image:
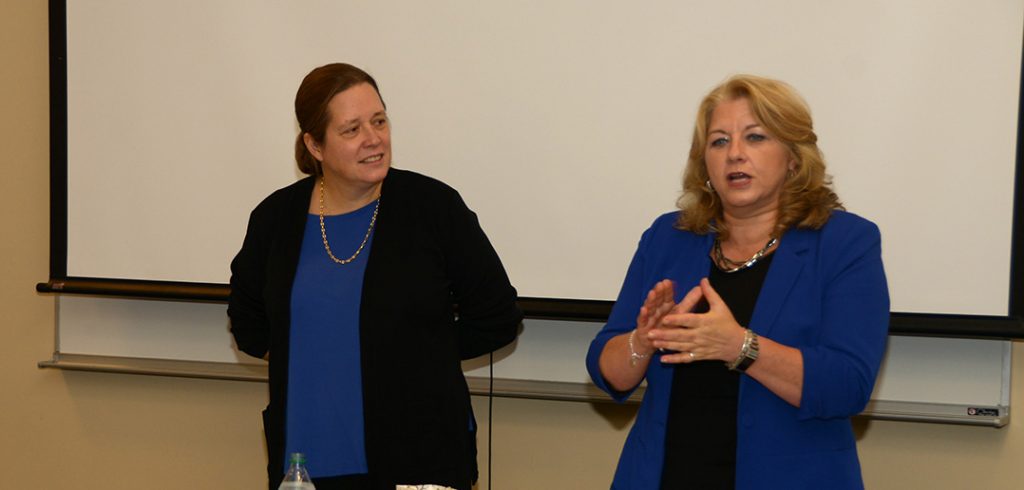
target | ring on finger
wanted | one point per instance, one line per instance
(693, 357)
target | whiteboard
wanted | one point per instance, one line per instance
(922, 378)
(565, 124)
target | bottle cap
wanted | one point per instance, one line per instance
(297, 458)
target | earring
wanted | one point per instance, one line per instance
(707, 185)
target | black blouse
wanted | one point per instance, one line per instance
(700, 439)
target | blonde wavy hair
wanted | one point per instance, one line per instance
(807, 199)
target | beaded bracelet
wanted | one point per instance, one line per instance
(634, 356)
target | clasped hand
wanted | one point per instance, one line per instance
(686, 336)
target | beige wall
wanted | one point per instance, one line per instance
(91, 430)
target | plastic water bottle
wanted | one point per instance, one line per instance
(297, 478)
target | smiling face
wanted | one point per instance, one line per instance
(356, 149)
(747, 166)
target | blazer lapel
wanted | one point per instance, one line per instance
(786, 267)
(695, 266)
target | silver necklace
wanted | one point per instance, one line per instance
(729, 266)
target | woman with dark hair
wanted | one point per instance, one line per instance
(774, 337)
(347, 282)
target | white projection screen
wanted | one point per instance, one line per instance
(564, 124)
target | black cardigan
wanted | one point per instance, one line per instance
(428, 254)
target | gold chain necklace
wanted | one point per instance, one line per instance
(729, 266)
(323, 231)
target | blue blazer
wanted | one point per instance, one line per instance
(826, 295)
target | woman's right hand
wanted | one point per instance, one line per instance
(659, 302)
(619, 366)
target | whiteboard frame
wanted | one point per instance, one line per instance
(988, 416)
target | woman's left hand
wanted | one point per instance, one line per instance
(699, 336)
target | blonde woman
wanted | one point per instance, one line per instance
(757, 313)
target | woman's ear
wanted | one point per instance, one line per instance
(313, 147)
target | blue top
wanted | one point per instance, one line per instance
(826, 295)
(325, 398)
